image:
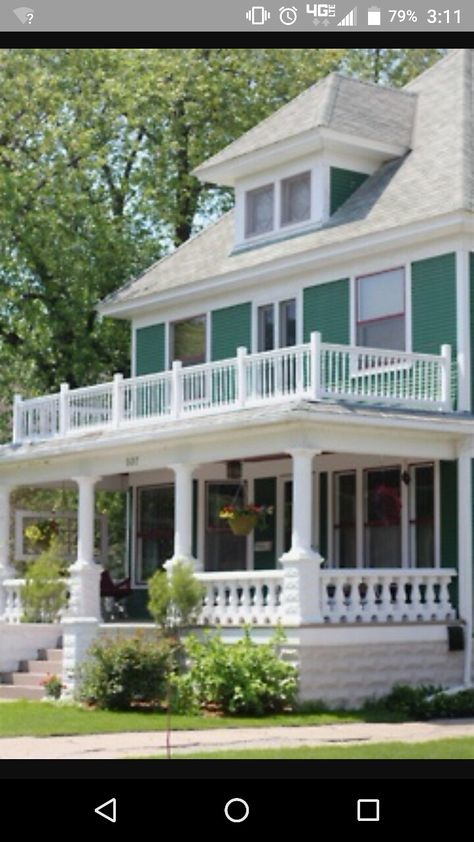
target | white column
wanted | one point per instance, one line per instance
(183, 513)
(85, 573)
(463, 310)
(6, 572)
(301, 565)
(465, 555)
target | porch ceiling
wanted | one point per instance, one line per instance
(245, 434)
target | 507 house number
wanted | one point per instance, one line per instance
(132, 461)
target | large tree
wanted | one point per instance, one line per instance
(96, 149)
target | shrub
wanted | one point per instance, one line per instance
(44, 594)
(175, 600)
(53, 686)
(123, 673)
(241, 678)
(425, 702)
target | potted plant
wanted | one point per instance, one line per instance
(243, 517)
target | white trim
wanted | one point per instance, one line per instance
(463, 329)
(408, 308)
(352, 310)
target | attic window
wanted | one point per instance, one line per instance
(296, 198)
(259, 211)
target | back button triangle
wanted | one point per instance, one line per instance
(111, 814)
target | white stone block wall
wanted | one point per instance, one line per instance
(348, 675)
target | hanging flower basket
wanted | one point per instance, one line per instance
(242, 519)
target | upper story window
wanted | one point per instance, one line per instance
(296, 198)
(188, 340)
(259, 214)
(276, 325)
(381, 310)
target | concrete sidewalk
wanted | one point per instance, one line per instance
(116, 746)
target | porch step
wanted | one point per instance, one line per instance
(12, 691)
(26, 683)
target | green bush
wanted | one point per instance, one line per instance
(242, 678)
(122, 673)
(44, 594)
(175, 600)
(425, 702)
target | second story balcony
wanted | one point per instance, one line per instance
(313, 371)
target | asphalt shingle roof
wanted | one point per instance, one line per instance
(435, 177)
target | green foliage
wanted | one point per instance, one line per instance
(123, 673)
(243, 678)
(44, 594)
(425, 702)
(175, 600)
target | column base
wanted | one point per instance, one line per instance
(301, 599)
(78, 634)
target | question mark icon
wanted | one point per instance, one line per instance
(29, 17)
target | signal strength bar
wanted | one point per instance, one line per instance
(350, 19)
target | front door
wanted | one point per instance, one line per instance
(223, 550)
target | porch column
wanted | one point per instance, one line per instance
(85, 573)
(465, 555)
(6, 572)
(301, 565)
(81, 623)
(183, 514)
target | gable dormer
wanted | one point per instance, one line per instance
(292, 171)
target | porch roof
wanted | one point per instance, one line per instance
(244, 433)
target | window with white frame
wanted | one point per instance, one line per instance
(295, 199)
(276, 325)
(188, 340)
(259, 210)
(380, 310)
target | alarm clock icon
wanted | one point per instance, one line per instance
(288, 15)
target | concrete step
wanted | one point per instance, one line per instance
(53, 667)
(50, 654)
(13, 691)
(25, 679)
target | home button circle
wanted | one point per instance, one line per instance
(236, 810)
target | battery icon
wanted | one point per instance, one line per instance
(373, 16)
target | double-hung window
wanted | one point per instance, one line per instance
(259, 212)
(276, 325)
(296, 199)
(380, 307)
(188, 340)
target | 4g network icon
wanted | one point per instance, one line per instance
(320, 11)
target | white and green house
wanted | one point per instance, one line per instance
(311, 351)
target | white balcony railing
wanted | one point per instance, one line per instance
(351, 596)
(247, 597)
(315, 371)
(13, 603)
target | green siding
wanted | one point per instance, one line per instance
(343, 183)
(434, 308)
(230, 328)
(150, 349)
(265, 494)
(323, 515)
(326, 308)
(449, 519)
(471, 290)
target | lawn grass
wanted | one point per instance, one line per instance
(459, 748)
(43, 719)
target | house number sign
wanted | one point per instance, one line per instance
(132, 461)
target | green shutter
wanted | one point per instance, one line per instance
(265, 531)
(433, 294)
(343, 183)
(323, 515)
(230, 330)
(149, 349)
(449, 519)
(326, 308)
(471, 291)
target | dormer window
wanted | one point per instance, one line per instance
(296, 199)
(259, 214)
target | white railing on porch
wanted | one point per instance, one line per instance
(351, 596)
(313, 371)
(13, 603)
(247, 597)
